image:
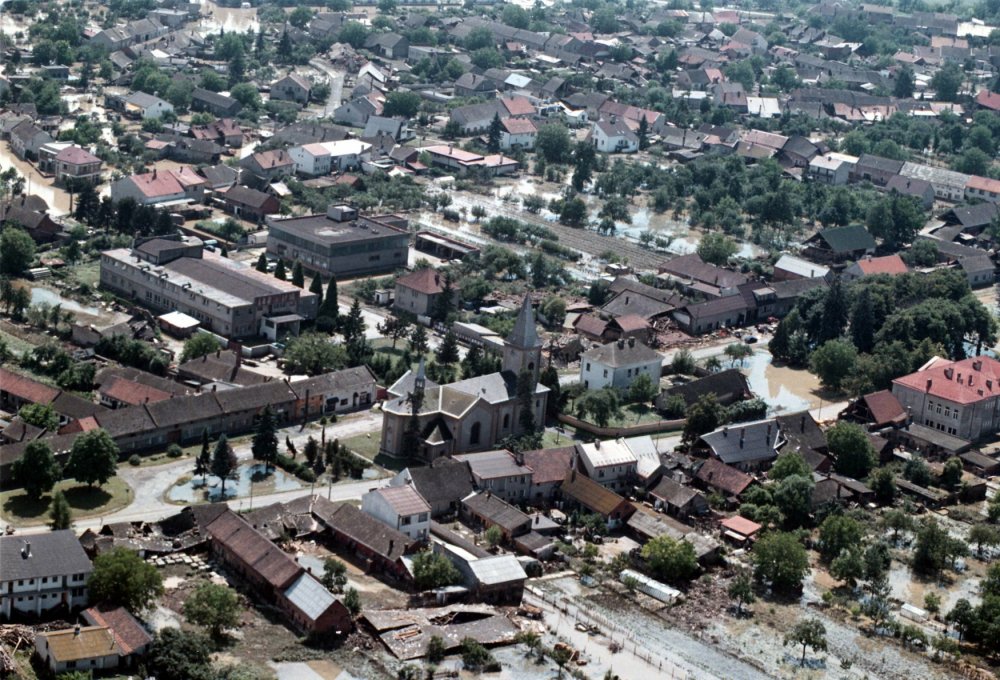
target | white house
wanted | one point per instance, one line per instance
(146, 105)
(609, 463)
(832, 168)
(614, 136)
(78, 649)
(517, 133)
(42, 572)
(322, 158)
(618, 363)
(402, 508)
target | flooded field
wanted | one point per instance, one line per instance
(785, 389)
(228, 19)
(210, 488)
(50, 297)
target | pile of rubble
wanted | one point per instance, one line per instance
(196, 562)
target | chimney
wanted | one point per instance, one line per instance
(597, 444)
(725, 431)
(626, 299)
(392, 544)
(743, 435)
(631, 342)
(76, 630)
(802, 423)
(26, 550)
(621, 344)
(977, 365)
(154, 173)
(929, 383)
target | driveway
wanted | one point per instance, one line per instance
(336, 84)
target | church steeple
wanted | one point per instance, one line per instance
(522, 350)
(420, 379)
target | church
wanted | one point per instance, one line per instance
(468, 415)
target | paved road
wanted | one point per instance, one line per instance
(336, 84)
(150, 483)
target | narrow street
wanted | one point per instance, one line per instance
(34, 182)
(336, 84)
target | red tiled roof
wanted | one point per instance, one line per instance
(25, 388)
(717, 474)
(518, 126)
(591, 325)
(961, 382)
(984, 184)
(741, 525)
(128, 633)
(631, 322)
(263, 557)
(133, 393)
(549, 465)
(426, 281)
(76, 156)
(890, 264)
(884, 407)
(989, 100)
(404, 500)
(518, 106)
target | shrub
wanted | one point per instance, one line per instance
(134, 460)
(175, 451)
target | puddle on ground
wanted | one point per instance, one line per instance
(210, 489)
(767, 385)
(52, 298)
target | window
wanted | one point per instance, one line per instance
(474, 433)
(506, 420)
(605, 373)
(588, 365)
(405, 521)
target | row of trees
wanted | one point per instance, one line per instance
(93, 459)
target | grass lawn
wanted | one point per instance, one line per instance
(84, 500)
(368, 449)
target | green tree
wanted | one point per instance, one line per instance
(716, 248)
(963, 617)
(203, 463)
(643, 390)
(493, 134)
(316, 288)
(883, 483)
(330, 307)
(224, 463)
(793, 497)
(279, 271)
(436, 649)
(121, 577)
(852, 449)
(418, 345)
(447, 351)
(198, 345)
(741, 591)
(215, 607)
(932, 549)
(352, 600)
(809, 633)
(903, 87)
(93, 458)
(833, 361)
(848, 567)
(781, 561)
(895, 219)
(837, 534)
(602, 405)
(573, 212)
(670, 559)
(298, 276)
(401, 104)
(703, 416)
(897, 521)
(180, 654)
(493, 536)
(984, 534)
(353, 325)
(17, 250)
(40, 415)
(973, 162)
(313, 354)
(834, 316)
(434, 570)
(951, 476)
(787, 464)
(60, 514)
(334, 575)
(863, 321)
(264, 445)
(553, 143)
(947, 81)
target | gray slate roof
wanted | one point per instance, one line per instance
(53, 554)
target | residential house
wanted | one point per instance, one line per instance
(980, 464)
(451, 158)
(979, 270)
(618, 364)
(948, 184)
(418, 292)
(215, 103)
(143, 105)
(799, 151)
(832, 168)
(711, 315)
(495, 579)
(131, 637)
(838, 244)
(381, 126)
(77, 166)
(728, 386)
(891, 265)
(612, 464)
(677, 499)
(443, 484)
(219, 177)
(958, 398)
(78, 649)
(517, 133)
(581, 491)
(43, 574)
(375, 544)
(484, 509)
(390, 45)
(225, 132)
(249, 204)
(983, 188)
(26, 139)
(322, 158)
(37, 222)
(473, 85)
(876, 410)
(499, 472)
(875, 169)
(357, 111)
(740, 530)
(745, 446)
(791, 268)
(694, 275)
(156, 187)
(402, 508)
(719, 477)
(267, 166)
(549, 468)
(614, 136)
(292, 88)
(921, 190)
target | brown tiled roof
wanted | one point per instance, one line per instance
(719, 475)
(741, 525)
(404, 500)
(549, 465)
(25, 388)
(131, 392)
(426, 281)
(592, 495)
(129, 633)
(265, 558)
(364, 529)
(89, 643)
(885, 408)
(496, 510)
(591, 325)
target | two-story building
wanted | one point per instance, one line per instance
(958, 398)
(400, 507)
(617, 364)
(614, 136)
(610, 463)
(418, 292)
(500, 472)
(292, 88)
(42, 574)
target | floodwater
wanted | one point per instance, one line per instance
(228, 19)
(195, 490)
(786, 390)
(52, 298)
(35, 184)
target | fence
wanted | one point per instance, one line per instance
(623, 431)
(618, 635)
